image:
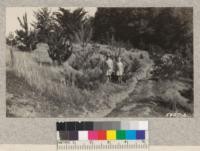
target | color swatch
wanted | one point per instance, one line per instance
(102, 130)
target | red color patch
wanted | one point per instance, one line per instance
(102, 135)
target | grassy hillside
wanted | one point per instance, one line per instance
(38, 88)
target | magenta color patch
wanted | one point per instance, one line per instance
(93, 135)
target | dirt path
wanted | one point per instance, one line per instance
(119, 97)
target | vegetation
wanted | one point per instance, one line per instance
(43, 24)
(159, 31)
(84, 35)
(25, 37)
(153, 43)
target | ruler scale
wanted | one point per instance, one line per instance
(116, 135)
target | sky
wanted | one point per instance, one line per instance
(13, 12)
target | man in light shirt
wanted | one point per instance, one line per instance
(109, 63)
(120, 69)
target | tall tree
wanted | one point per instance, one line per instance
(24, 36)
(59, 51)
(70, 21)
(43, 24)
(84, 34)
(168, 28)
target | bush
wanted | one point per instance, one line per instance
(58, 50)
(91, 63)
(168, 67)
(130, 68)
(84, 34)
(88, 81)
(141, 56)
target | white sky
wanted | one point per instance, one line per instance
(13, 12)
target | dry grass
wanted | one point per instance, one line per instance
(35, 74)
(66, 100)
(47, 79)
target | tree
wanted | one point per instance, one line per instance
(25, 37)
(43, 24)
(51, 29)
(67, 26)
(84, 34)
(168, 28)
(71, 22)
(58, 51)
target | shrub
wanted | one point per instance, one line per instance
(91, 63)
(58, 50)
(168, 67)
(84, 34)
(141, 56)
(131, 67)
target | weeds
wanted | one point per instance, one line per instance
(46, 79)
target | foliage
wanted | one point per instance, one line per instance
(141, 56)
(47, 82)
(84, 34)
(24, 37)
(168, 67)
(157, 30)
(131, 66)
(50, 30)
(58, 50)
(43, 24)
(167, 28)
(172, 35)
(91, 63)
(70, 21)
(166, 33)
(122, 23)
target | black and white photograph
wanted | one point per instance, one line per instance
(107, 62)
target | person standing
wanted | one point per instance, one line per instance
(109, 63)
(120, 70)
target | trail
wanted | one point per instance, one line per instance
(119, 97)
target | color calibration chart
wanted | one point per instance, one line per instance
(103, 135)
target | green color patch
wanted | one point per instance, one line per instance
(121, 135)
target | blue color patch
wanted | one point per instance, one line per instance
(140, 134)
(131, 135)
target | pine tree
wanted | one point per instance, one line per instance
(70, 21)
(43, 24)
(24, 36)
(84, 34)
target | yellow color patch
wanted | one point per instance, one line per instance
(111, 135)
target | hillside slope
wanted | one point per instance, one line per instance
(36, 88)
